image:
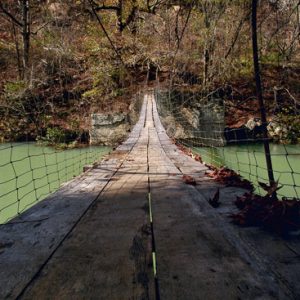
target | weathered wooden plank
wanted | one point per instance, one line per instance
(29, 240)
(269, 253)
(33, 236)
(265, 252)
(108, 254)
(195, 260)
(184, 163)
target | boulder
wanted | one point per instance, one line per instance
(188, 117)
(277, 131)
(191, 116)
(252, 130)
(252, 123)
(108, 119)
(108, 129)
(173, 129)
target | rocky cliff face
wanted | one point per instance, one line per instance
(194, 119)
(112, 128)
(109, 129)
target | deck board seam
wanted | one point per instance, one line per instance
(42, 266)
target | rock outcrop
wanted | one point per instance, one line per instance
(199, 120)
(112, 128)
(109, 129)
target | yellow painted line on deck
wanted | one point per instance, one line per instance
(154, 263)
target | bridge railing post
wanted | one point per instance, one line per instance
(260, 94)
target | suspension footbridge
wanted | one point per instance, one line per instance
(131, 228)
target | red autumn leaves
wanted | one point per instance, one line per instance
(228, 177)
(281, 216)
(189, 179)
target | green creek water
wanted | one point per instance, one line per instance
(29, 173)
(249, 161)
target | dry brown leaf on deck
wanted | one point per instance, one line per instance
(198, 158)
(270, 189)
(215, 200)
(189, 179)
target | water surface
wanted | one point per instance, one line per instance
(29, 173)
(249, 161)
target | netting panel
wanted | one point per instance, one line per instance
(239, 149)
(28, 173)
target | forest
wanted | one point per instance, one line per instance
(63, 60)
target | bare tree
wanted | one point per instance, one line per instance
(133, 7)
(24, 25)
(25, 32)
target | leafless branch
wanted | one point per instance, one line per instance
(8, 14)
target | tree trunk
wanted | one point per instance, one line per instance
(206, 65)
(18, 56)
(206, 53)
(120, 16)
(25, 34)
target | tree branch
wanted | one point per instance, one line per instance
(106, 7)
(130, 17)
(237, 33)
(7, 13)
(105, 32)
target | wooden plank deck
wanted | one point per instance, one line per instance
(130, 228)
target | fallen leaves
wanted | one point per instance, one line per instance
(215, 200)
(189, 152)
(197, 157)
(189, 180)
(271, 189)
(228, 177)
(281, 216)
